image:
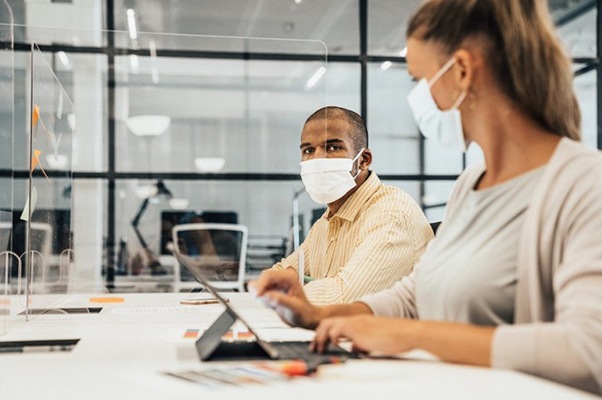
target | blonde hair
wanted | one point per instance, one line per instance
(524, 53)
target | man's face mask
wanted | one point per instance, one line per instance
(328, 179)
(443, 126)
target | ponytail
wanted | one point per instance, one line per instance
(524, 53)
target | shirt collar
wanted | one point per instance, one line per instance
(354, 203)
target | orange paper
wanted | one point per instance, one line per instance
(106, 300)
(35, 160)
(35, 115)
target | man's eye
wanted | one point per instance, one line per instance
(308, 150)
(334, 148)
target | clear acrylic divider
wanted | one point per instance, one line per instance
(48, 207)
(64, 260)
(9, 260)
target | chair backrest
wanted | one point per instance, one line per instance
(435, 226)
(220, 250)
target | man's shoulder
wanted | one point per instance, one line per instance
(388, 197)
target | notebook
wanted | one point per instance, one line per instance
(211, 347)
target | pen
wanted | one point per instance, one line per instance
(33, 349)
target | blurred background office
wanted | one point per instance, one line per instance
(172, 128)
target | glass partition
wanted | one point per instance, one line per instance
(8, 258)
(160, 132)
(47, 211)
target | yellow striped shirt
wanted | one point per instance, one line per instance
(373, 240)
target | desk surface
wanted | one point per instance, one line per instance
(125, 350)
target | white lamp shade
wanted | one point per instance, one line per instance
(209, 164)
(148, 125)
(178, 204)
(145, 191)
(58, 161)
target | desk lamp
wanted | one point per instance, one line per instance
(162, 191)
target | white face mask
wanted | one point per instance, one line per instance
(328, 179)
(444, 126)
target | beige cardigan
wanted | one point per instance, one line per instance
(557, 332)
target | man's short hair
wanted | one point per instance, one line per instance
(358, 133)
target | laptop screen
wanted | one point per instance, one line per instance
(199, 272)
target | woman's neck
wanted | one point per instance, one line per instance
(512, 143)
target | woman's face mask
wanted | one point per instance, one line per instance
(328, 179)
(445, 126)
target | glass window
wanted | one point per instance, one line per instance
(586, 89)
(333, 22)
(387, 23)
(247, 114)
(264, 207)
(75, 23)
(394, 137)
(579, 35)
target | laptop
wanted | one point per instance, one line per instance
(211, 347)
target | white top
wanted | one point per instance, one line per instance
(557, 329)
(469, 273)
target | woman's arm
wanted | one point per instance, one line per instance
(452, 342)
(282, 291)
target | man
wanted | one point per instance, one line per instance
(371, 235)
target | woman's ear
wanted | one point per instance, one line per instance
(465, 69)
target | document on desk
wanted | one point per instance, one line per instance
(153, 310)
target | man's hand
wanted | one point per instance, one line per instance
(282, 291)
(389, 336)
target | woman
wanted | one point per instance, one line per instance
(514, 277)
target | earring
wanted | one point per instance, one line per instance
(472, 97)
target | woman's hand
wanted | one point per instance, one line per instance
(450, 341)
(388, 336)
(282, 291)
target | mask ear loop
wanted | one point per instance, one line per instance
(460, 99)
(354, 159)
(442, 71)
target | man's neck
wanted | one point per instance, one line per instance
(335, 205)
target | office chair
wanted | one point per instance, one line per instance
(220, 250)
(435, 227)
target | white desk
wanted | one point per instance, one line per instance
(124, 350)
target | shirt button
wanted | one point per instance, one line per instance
(332, 238)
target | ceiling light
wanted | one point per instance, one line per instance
(386, 65)
(311, 82)
(148, 125)
(134, 63)
(64, 59)
(71, 121)
(132, 24)
(209, 164)
(403, 52)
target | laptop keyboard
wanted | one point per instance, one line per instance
(287, 350)
(292, 350)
